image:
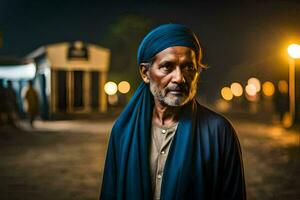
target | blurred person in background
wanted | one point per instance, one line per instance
(3, 95)
(165, 145)
(31, 97)
(281, 99)
(12, 106)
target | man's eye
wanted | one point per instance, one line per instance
(189, 68)
(166, 67)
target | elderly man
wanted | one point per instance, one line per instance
(165, 145)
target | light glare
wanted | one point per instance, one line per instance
(124, 87)
(236, 89)
(110, 88)
(254, 81)
(268, 88)
(226, 93)
(251, 89)
(294, 51)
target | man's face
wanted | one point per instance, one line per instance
(173, 76)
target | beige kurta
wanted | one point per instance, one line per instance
(161, 138)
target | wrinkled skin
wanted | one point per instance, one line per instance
(172, 76)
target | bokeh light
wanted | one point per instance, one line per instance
(294, 51)
(268, 88)
(226, 93)
(124, 87)
(283, 86)
(251, 90)
(110, 88)
(254, 81)
(236, 89)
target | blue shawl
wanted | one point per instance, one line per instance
(204, 160)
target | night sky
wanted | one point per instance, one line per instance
(239, 39)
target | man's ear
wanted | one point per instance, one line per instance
(144, 72)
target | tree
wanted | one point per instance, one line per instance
(123, 39)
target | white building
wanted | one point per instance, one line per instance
(74, 75)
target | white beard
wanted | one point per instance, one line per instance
(170, 99)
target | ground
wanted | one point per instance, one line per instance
(271, 157)
(64, 160)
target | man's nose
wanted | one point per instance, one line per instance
(178, 76)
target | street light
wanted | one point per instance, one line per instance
(294, 53)
(236, 89)
(254, 81)
(268, 88)
(251, 90)
(124, 87)
(226, 93)
(110, 88)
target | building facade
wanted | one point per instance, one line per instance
(74, 75)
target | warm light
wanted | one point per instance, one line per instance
(236, 89)
(294, 51)
(17, 72)
(124, 87)
(226, 93)
(283, 86)
(255, 82)
(268, 88)
(251, 90)
(110, 88)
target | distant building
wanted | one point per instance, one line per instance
(69, 77)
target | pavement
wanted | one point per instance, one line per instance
(64, 160)
(271, 157)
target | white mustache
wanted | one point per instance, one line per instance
(182, 87)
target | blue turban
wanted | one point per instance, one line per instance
(166, 36)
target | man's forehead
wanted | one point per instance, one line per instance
(175, 52)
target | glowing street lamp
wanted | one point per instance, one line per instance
(110, 88)
(251, 90)
(226, 93)
(294, 53)
(268, 88)
(124, 87)
(254, 81)
(236, 89)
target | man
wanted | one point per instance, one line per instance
(3, 100)
(12, 105)
(32, 99)
(165, 145)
